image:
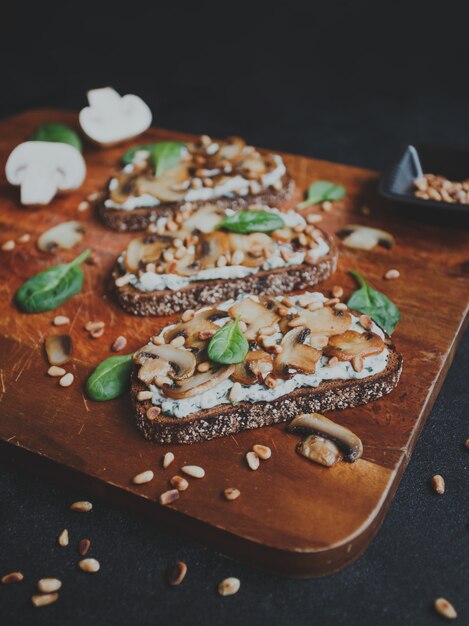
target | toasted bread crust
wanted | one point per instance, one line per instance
(227, 419)
(140, 218)
(197, 294)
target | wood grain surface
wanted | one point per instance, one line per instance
(293, 517)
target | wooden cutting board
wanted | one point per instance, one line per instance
(293, 517)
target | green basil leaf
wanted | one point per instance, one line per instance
(375, 304)
(52, 287)
(59, 133)
(322, 190)
(255, 221)
(163, 155)
(128, 156)
(110, 379)
(228, 345)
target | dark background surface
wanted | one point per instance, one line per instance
(349, 82)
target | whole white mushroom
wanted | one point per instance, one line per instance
(42, 168)
(110, 118)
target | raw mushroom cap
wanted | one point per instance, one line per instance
(320, 450)
(42, 168)
(351, 344)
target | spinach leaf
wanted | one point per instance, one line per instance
(59, 133)
(110, 379)
(255, 221)
(322, 190)
(52, 287)
(375, 304)
(163, 155)
(228, 345)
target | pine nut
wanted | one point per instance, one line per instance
(357, 363)
(315, 306)
(167, 459)
(84, 546)
(66, 380)
(61, 320)
(221, 261)
(143, 477)
(235, 393)
(206, 334)
(242, 326)
(92, 326)
(392, 274)
(333, 361)
(176, 573)
(153, 412)
(44, 599)
(263, 452)
(313, 218)
(12, 577)
(438, 483)
(63, 539)
(8, 245)
(193, 470)
(365, 322)
(82, 506)
(121, 281)
(204, 366)
(297, 321)
(157, 340)
(331, 302)
(24, 238)
(326, 205)
(252, 460)
(267, 330)
(169, 496)
(55, 370)
(119, 343)
(144, 395)
(91, 566)
(340, 306)
(49, 585)
(229, 586)
(270, 381)
(96, 334)
(179, 483)
(188, 315)
(445, 608)
(337, 291)
(237, 257)
(231, 493)
(83, 206)
(178, 341)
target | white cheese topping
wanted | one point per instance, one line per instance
(343, 370)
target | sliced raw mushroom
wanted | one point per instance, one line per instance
(296, 355)
(320, 450)
(204, 220)
(199, 383)
(61, 237)
(317, 424)
(352, 344)
(254, 368)
(163, 187)
(231, 149)
(364, 237)
(324, 321)
(255, 315)
(201, 323)
(165, 360)
(58, 349)
(211, 247)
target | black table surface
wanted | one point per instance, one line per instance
(348, 82)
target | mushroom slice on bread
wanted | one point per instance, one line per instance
(196, 331)
(296, 356)
(255, 315)
(199, 383)
(140, 251)
(231, 149)
(164, 360)
(324, 321)
(351, 344)
(167, 186)
(254, 368)
(257, 247)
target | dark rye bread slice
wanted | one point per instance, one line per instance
(140, 218)
(227, 419)
(197, 294)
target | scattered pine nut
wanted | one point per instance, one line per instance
(337, 291)
(8, 245)
(252, 460)
(82, 506)
(49, 585)
(231, 493)
(438, 483)
(89, 565)
(92, 326)
(203, 367)
(169, 496)
(263, 452)
(179, 483)
(119, 343)
(66, 380)
(193, 470)
(176, 573)
(229, 586)
(313, 218)
(365, 322)
(445, 608)
(93, 197)
(143, 477)
(357, 363)
(144, 395)
(63, 538)
(84, 546)
(326, 205)
(167, 459)
(61, 320)
(44, 599)
(83, 206)
(55, 370)
(96, 334)
(12, 577)
(235, 392)
(392, 274)
(121, 281)
(24, 238)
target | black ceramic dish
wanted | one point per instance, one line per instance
(398, 182)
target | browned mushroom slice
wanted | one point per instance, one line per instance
(254, 368)
(151, 368)
(163, 187)
(125, 186)
(317, 424)
(58, 349)
(255, 315)
(230, 149)
(351, 344)
(134, 254)
(320, 450)
(210, 248)
(295, 354)
(257, 247)
(199, 383)
(165, 360)
(204, 220)
(325, 321)
(193, 330)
